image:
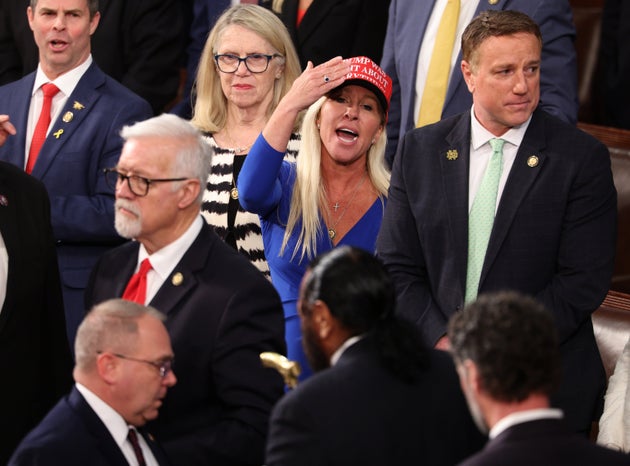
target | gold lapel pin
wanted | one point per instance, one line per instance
(493, 2)
(532, 161)
(58, 133)
(452, 154)
(177, 279)
(78, 105)
(67, 117)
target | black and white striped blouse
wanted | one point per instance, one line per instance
(216, 199)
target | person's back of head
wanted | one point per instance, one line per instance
(512, 340)
(359, 294)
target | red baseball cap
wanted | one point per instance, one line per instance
(364, 72)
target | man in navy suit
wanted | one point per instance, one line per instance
(379, 396)
(506, 352)
(34, 351)
(552, 226)
(122, 373)
(86, 115)
(409, 42)
(221, 311)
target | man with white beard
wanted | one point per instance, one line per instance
(221, 311)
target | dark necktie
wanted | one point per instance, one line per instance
(41, 128)
(137, 287)
(133, 439)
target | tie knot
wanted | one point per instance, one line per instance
(49, 90)
(497, 145)
(145, 266)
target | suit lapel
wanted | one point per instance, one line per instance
(156, 449)
(79, 104)
(314, 15)
(103, 440)
(518, 185)
(183, 278)
(454, 159)
(19, 104)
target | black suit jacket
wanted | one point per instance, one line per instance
(138, 43)
(72, 434)
(35, 360)
(544, 442)
(358, 413)
(553, 237)
(220, 317)
(337, 27)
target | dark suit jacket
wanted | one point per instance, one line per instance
(358, 413)
(71, 166)
(553, 237)
(35, 357)
(72, 434)
(407, 24)
(337, 27)
(544, 442)
(138, 43)
(220, 318)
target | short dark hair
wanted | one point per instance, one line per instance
(92, 6)
(495, 23)
(360, 294)
(512, 340)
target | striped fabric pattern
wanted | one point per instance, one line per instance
(217, 196)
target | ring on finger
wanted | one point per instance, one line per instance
(326, 79)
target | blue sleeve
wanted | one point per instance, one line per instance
(259, 186)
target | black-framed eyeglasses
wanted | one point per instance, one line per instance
(165, 366)
(255, 63)
(138, 185)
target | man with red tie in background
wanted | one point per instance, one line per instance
(221, 311)
(67, 115)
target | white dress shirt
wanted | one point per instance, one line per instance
(66, 84)
(117, 427)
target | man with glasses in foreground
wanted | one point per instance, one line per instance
(221, 311)
(122, 373)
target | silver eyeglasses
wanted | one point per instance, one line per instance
(255, 63)
(165, 366)
(138, 185)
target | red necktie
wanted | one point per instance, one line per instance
(39, 135)
(133, 439)
(137, 287)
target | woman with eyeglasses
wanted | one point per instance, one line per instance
(248, 64)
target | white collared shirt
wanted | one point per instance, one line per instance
(346, 344)
(524, 416)
(66, 84)
(481, 151)
(117, 427)
(164, 260)
(466, 11)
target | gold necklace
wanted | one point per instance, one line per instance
(235, 149)
(234, 190)
(332, 232)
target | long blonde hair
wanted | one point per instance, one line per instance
(210, 111)
(309, 193)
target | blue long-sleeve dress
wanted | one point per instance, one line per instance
(265, 187)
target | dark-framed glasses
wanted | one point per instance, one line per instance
(255, 63)
(164, 366)
(138, 185)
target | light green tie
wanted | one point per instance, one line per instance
(481, 219)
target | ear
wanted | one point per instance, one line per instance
(469, 77)
(188, 193)
(94, 22)
(322, 320)
(471, 375)
(107, 367)
(30, 14)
